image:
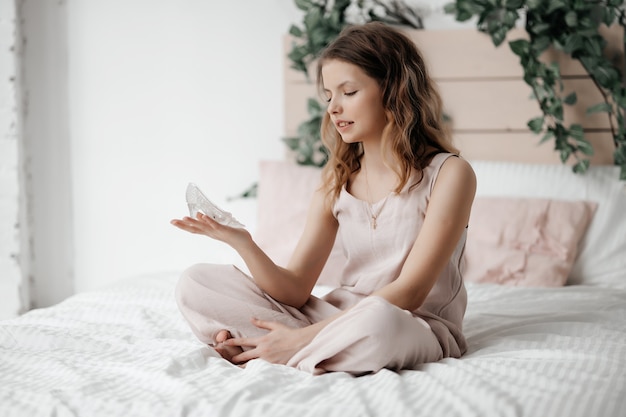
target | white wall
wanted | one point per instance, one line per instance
(161, 93)
(126, 102)
(47, 153)
(10, 274)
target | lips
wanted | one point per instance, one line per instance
(342, 124)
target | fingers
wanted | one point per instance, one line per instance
(200, 225)
(242, 341)
(254, 341)
(245, 356)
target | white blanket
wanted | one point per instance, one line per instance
(126, 351)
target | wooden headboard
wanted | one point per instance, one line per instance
(485, 96)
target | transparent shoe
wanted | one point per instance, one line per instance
(197, 201)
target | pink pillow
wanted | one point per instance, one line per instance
(285, 191)
(529, 242)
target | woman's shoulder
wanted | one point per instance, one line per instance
(457, 171)
(455, 164)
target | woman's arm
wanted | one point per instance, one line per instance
(446, 217)
(291, 285)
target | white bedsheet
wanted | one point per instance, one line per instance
(126, 351)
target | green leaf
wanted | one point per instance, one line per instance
(570, 99)
(520, 47)
(549, 135)
(572, 43)
(498, 36)
(534, 4)
(598, 108)
(609, 15)
(536, 124)
(295, 31)
(510, 17)
(620, 154)
(620, 98)
(463, 15)
(540, 44)
(576, 132)
(513, 4)
(318, 37)
(314, 108)
(556, 109)
(539, 28)
(298, 52)
(585, 147)
(303, 4)
(605, 76)
(312, 19)
(594, 45)
(555, 5)
(581, 166)
(292, 143)
(449, 8)
(571, 18)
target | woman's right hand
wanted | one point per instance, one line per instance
(205, 225)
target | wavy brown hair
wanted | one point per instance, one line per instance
(415, 128)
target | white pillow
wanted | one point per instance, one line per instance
(602, 257)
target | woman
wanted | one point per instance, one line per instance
(400, 197)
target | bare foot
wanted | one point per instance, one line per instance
(227, 352)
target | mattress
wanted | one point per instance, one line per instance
(126, 351)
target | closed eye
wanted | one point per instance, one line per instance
(349, 93)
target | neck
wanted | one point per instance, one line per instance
(373, 160)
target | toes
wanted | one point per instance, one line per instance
(222, 335)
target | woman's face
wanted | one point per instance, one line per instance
(354, 102)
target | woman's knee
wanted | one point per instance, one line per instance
(207, 281)
(400, 339)
(380, 319)
(196, 278)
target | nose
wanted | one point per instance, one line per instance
(333, 107)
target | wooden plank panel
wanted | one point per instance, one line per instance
(525, 147)
(478, 105)
(468, 53)
(483, 92)
(506, 104)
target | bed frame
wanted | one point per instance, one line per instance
(485, 95)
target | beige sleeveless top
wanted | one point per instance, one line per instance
(375, 256)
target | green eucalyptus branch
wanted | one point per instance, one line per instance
(571, 26)
(398, 13)
(610, 109)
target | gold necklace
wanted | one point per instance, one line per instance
(369, 204)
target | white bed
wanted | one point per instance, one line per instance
(533, 351)
(126, 352)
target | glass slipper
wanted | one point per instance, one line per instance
(197, 201)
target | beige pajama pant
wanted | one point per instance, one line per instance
(372, 335)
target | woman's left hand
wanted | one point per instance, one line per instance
(277, 346)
